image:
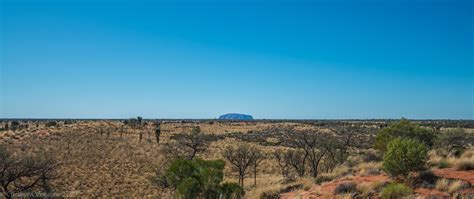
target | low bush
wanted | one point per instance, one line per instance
(404, 156)
(395, 191)
(193, 178)
(51, 123)
(371, 157)
(423, 179)
(346, 187)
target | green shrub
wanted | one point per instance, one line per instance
(231, 190)
(403, 156)
(200, 179)
(443, 163)
(404, 129)
(395, 191)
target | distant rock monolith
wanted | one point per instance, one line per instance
(235, 116)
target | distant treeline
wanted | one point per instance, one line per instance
(329, 122)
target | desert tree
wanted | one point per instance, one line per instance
(158, 132)
(241, 159)
(121, 130)
(192, 143)
(108, 130)
(139, 121)
(337, 145)
(296, 158)
(100, 131)
(132, 122)
(21, 173)
(281, 158)
(312, 145)
(140, 135)
(14, 125)
(258, 158)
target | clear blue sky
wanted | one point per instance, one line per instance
(271, 59)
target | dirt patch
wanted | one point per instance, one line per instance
(326, 190)
(453, 174)
(431, 193)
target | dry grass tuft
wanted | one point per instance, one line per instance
(440, 161)
(339, 171)
(464, 163)
(307, 183)
(468, 154)
(367, 190)
(368, 169)
(345, 196)
(442, 185)
(455, 186)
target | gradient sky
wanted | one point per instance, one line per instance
(271, 59)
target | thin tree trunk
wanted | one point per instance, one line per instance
(255, 176)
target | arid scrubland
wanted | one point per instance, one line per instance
(270, 159)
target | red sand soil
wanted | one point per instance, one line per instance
(453, 174)
(326, 190)
(448, 173)
(431, 193)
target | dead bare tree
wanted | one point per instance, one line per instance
(194, 142)
(241, 158)
(158, 132)
(23, 173)
(312, 146)
(296, 158)
(258, 158)
(281, 158)
(121, 130)
(140, 133)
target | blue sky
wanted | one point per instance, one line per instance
(272, 59)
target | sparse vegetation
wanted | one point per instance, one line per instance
(105, 159)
